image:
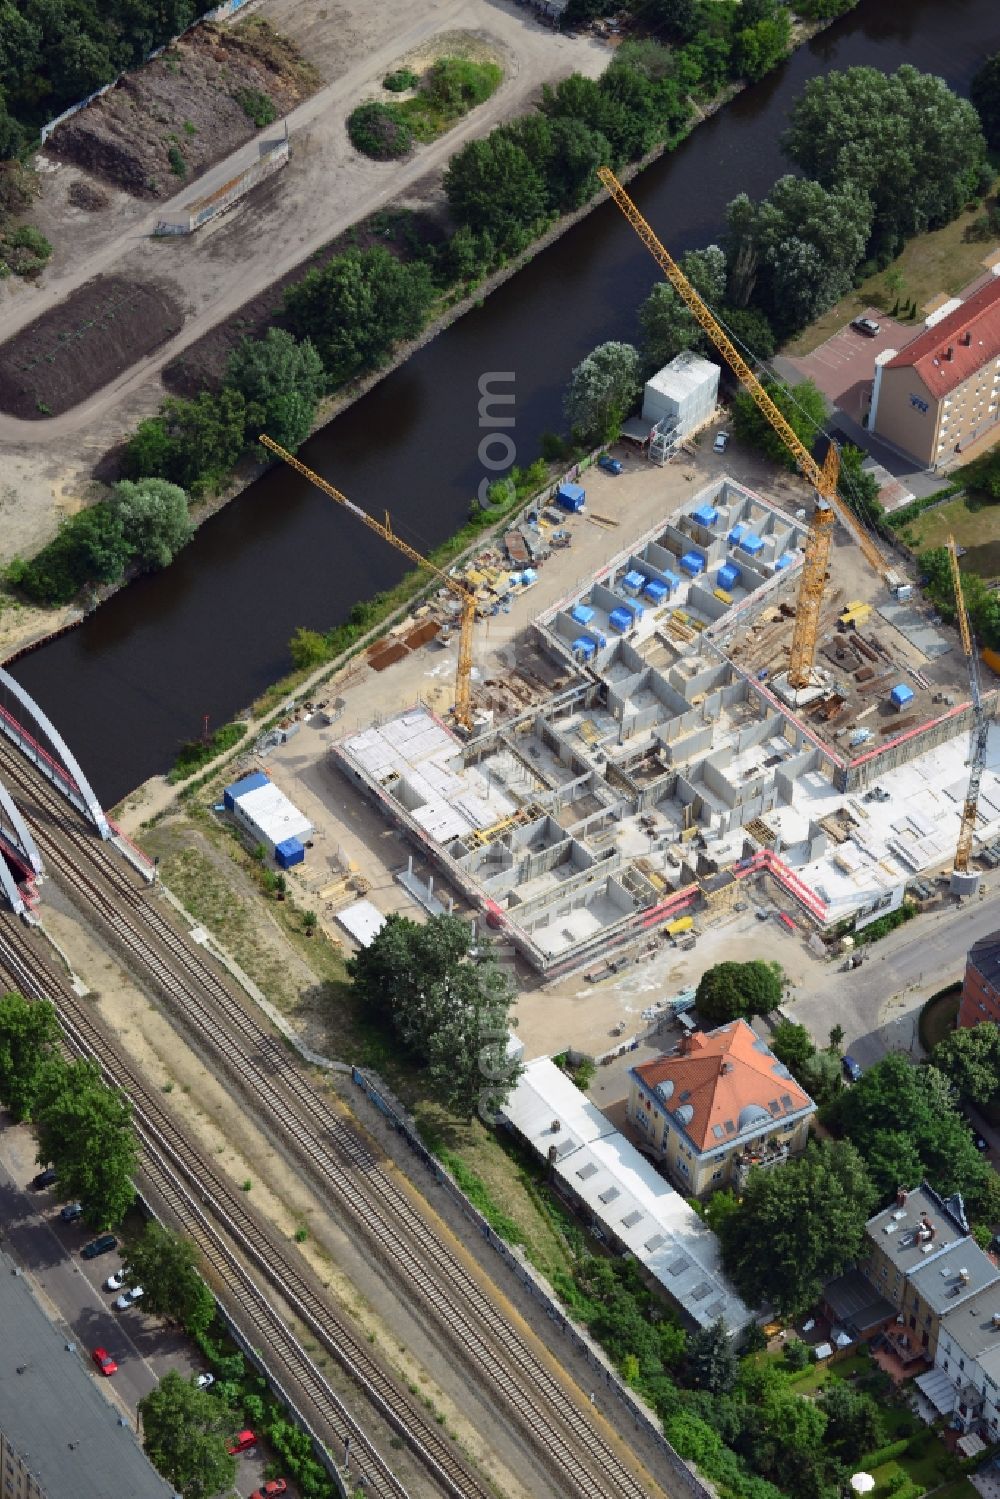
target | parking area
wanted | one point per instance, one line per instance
(844, 366)
(73, 1292)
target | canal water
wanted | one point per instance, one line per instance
(210, 633)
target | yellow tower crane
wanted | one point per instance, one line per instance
(462, 591)
(980, 729)
(824, 479)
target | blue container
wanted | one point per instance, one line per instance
(737, 534)
(693, 563)
(585, 647)
(728, 576)
(232, 793)
(901, 695)
(705, 515)
(582, 613)
(620, 620)
(656, 591)
(752, 544)
(288, 853)
(571, 497)
(633, 581)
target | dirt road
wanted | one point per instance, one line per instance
(326, 187)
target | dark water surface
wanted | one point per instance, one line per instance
(211, 632)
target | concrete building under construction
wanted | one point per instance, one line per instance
(671, 764)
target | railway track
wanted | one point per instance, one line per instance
(335, 1152)
(184, 1180)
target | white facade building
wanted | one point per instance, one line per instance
(683, 394)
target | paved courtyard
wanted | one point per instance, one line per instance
(844, 366)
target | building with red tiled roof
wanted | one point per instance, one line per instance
(940, 395)
(981, 989)
(717, 1105)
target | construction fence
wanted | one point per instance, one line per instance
(689, 1485)
(273, 156)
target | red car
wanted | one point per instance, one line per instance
(271, 1489)
(243, 1442)
(104, 1362)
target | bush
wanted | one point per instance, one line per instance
(401, 80)
(198, 752)
(256, 106)
(177, 163)
(379, 131)
(886, 1454)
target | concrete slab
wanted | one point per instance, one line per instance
(916, 628)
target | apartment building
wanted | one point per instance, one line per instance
(940, 395)
(920, 1256)
(981, 986)
(716, 1106)
(60, 1434)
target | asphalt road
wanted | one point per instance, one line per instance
(878, 1003)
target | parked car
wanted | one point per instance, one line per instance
(71, 1212)
(204, 1381)
(979, 1142)
(129, 1298)
(102, 1245)
(851, 1069)
(271, 1489)
(721, 442)
(115, 1282)
(610, 466)
(867, 326)
(43, 1179)
(105, 1363)
(242, 1442)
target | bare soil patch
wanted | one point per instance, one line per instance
(97, 333)
(184, 108)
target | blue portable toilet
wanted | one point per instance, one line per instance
(232, 793)
(656, 591)
(620, 620)
(288, 853)
(693, 563)
(581, 613)
(728, 576)
(571, 497)
(900, 696)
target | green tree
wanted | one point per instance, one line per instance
(667, 325)
(984, 91)
(357, 306)
(308, 648)
(729, 990)
(281, 382)
(811, 1215)
(757, 48)
(493, 185)
(165, 1264)
(853, 1422)
(859, 487)
(720, 1206)
(602, 390)
(450, 1009)
(970, 1060)
(904, 140)
(85, 1129)
(89, 547)
(752, 332)
(713, 1364)
(194, 443)
(29, 1033)
(793, 1045)
(155, 520)
(803, 407)
(185, 1433)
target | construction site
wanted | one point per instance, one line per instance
(732, 698)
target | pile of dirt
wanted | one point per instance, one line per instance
(66, 354)
(170, 120)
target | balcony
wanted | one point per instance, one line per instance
(762, 1158)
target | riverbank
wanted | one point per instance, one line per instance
(23, 627)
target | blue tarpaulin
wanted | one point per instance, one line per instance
(633, 581)
(672, 580)
(751, 543)
(620, 620)
(693, 563)
(656, 591)
(737, 534)
(901, 695)
(785, 560)
(582, 613)
(705, 515)
(584, 646)
(728, 576)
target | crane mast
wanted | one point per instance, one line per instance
(823, 479)
(465, 595)
(980, 720)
